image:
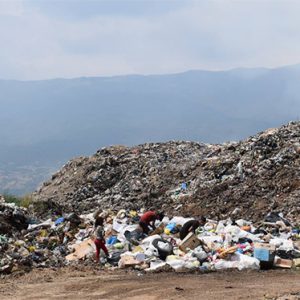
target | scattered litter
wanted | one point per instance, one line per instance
(215, 245)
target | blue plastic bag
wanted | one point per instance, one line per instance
(111, 240)
(59, 221)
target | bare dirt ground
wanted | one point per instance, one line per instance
(72, 283)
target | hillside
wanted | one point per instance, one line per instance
(45, 123)
(246, 179)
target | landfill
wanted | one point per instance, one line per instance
(216, 245)
(243, 179)
(248, 191)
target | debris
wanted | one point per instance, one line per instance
(283, 263)
(190, 242)
(128, 261)
(81, 250)
(215, 245)
(248, 191)
(245, 179)
(296, 262)
(264, 252)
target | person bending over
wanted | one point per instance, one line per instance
(191, 226)
(148, 219)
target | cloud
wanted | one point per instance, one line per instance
(39, 43)
(85, 9)
(11, 7)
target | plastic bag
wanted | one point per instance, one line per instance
(200, 253)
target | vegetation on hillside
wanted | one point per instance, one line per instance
(22, 201)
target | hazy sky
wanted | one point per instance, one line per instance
(71, 38)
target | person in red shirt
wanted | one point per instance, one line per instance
(148, 219)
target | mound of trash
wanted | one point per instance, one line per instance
(210, 246)
(249, 191)
(12, 218)
(245, 179)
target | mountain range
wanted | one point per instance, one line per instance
(45, 123)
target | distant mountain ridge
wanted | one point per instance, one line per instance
(47, 122)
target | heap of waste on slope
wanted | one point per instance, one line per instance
(243, 179)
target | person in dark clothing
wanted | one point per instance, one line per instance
(99, 238)
(148, 219)
(191, 226)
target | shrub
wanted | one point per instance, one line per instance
(26, 200)
(9, 198)
(23, 201)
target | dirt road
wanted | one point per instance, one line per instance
(88, 284)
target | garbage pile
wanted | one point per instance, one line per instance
(209, 246)
(25, 242)
(212, 246)
(245, 179)
(11, 217)
(233, 182)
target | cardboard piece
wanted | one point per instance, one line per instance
(190, 242)
(283, 263)
(128, 261)
(81, 250)
(265, 246)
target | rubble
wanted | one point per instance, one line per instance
(245, 179)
